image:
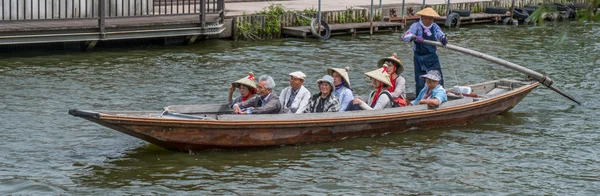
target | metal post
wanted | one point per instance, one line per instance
(512, 10)
(102, 15)
(403, 1)
(319, 18)
(202, 12)
(448, 9)
(381, 9)
(423, 6)
(371, 18)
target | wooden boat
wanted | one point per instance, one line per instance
(197, 127)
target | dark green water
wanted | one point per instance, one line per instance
(545, 145)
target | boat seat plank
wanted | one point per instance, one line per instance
(316, 116)
(496, 91)
(200, 109)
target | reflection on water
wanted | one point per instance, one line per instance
(544, 145)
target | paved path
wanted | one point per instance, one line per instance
(234, 9)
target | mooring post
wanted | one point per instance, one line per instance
(101, 9)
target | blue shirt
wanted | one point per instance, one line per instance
(345, 95)
(438, 92)
(417, 29)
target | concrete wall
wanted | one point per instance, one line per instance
(57, 9)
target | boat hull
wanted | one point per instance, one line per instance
(193, 135)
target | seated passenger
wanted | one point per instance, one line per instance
(294, 98)
(247, 86)
(397, 89)
(324, 101)
(266, 103)
(342, 92)
(433, 94)
(380, 97)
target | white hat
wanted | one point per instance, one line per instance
(298, 74)
(432, 74)
(328, 79)
(380, 75)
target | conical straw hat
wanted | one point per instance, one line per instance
(249, 81)
(399, 65)
(342, 72)
(428, 12)
(380, 75)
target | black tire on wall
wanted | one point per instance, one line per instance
(452, 21)
(578, 5)
(520, 14)
(532, 6)
(562, 7)
(462, 13)
(495, 10)
(313, 29)
(529, 10)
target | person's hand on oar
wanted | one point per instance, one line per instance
(417, 38)
(444, 41)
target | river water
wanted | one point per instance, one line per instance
(545, 145)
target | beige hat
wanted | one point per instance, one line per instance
(342, 72)
(380, 75)
(399, 65)
(428, 12)
(249, 81)
(298, 74)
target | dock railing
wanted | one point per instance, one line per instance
(26, 10)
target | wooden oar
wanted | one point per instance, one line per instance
(545, 80)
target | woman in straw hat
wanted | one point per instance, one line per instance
(380, 97)
(425, 57)
(395, 68)
(341, 81)
(324, 101)
(247, 86)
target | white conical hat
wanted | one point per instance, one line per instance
(249, 81)
(342, 72)
(380, 75)
(428, 12)
(393, 58)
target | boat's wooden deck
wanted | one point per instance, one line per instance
(223, 112)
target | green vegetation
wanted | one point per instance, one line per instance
(252, 27)
(589, 14)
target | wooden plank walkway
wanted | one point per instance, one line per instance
(347, 28)
(475, 18)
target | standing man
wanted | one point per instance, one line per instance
(294, 99)
(266, 103)
(425, 57)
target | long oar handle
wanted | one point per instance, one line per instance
(543, 79)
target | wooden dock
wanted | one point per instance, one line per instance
(474, 18)
(89, 26)
(345, 29)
